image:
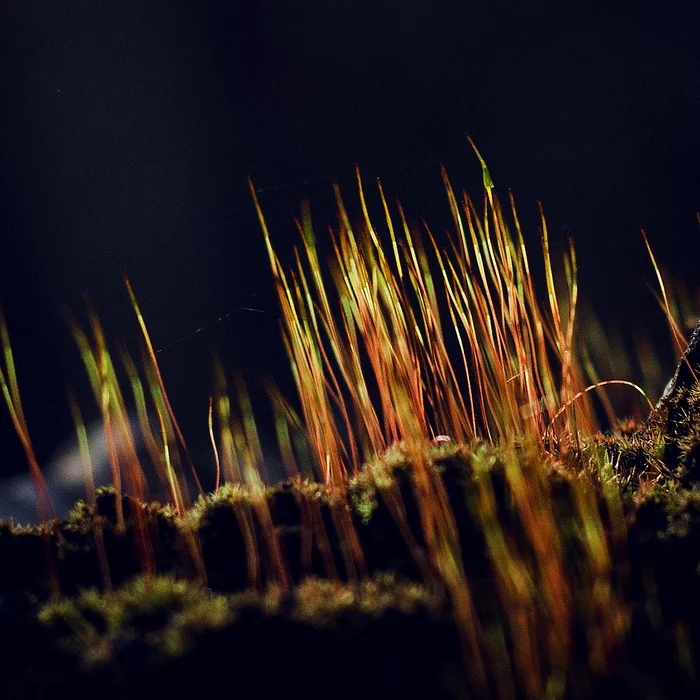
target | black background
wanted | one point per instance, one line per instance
(128, 128)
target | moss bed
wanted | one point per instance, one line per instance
(170, 634)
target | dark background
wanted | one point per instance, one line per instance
(127, 130)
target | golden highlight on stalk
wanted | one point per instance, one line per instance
(676, 333)
(381, 356)
(378, 367)
(127, 471)
(10, 391)
(91, 493)
(390, 348)
(157, 383)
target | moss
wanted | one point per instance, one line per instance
(78, 553)
(137, 630)
(174, 625)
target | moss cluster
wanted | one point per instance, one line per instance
(171, 632)
(167, 636)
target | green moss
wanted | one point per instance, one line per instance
(641, 481)
(168, 622)
(168, 613)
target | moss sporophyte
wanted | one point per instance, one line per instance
(454, 523)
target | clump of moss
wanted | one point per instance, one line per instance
(137, 629)
(174, 637)
(24, 556)
(78, 553)
(596, 547)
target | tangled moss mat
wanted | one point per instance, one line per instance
(171, 635)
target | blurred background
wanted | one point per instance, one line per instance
(127, 131)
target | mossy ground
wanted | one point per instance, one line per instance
(391, 632)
